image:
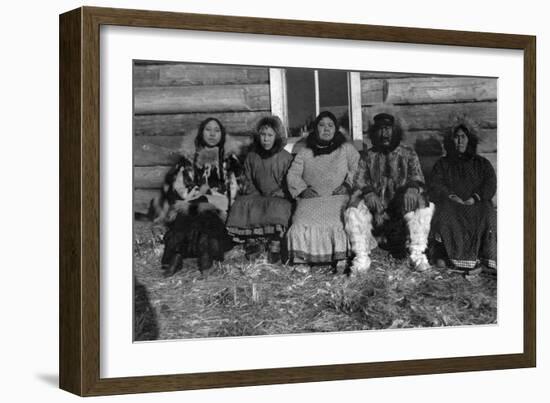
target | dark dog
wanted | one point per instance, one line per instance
(197, 233)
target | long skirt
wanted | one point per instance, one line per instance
(198, 232)
(259, 216)
(317, 234)
(468, 233)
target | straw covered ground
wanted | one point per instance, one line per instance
(239, 297)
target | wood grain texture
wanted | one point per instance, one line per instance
(304, 374)
(427, 90)
(430, 142)
(530, 203)
(161, 150)
(316, 29)
(207, 98)
(238, 123)
(178, 75)
(438, 90)
(151, 177)
(142, 199)
(373, 91)
(435, 116)
(167, 150)
(82, 322)
(90, 202)
(387, 74)
(70, 275)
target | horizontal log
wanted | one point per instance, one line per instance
(185, 74)
(150, 177)
(236, 123)
(142, 199)
(437, 89)
(152, 62)
(435, 116)
(373, 91)
(215, 98)
(167, 150)
(161, 150)
(387, 74)
(145, 75)
(430, 142)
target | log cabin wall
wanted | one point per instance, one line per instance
(170, 101)
(426, 105)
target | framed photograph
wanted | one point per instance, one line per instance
(249, 201)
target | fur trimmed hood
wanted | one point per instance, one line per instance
(397, 136)
(471, 131)
(275, 123)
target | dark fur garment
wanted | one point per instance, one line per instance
(195, 234)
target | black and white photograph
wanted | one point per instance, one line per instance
(272, 200)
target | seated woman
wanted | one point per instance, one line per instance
(263, 211)
(463, 184)
(320, 178)
(195, 198)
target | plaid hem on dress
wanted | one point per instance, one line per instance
(258, 231)
(306, 257)
(489, 263)
(464, 264)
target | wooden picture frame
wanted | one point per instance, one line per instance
(79, 346)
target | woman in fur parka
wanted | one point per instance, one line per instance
(196, 197)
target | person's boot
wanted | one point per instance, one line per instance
(437, 255)
(205, 262)
(418, 222)
(252, 248)
(358, 223)
(274, 253)
(175, 265)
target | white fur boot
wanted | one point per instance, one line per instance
(358, 223)
(418, 222)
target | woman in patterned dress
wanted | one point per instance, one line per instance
(463, 185)
(320, 179)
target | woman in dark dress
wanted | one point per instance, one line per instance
(196, 196)
(463, 186)
(262, 213)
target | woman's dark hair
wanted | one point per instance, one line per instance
(470, 129)
(199, 140)
(322, 115)
(276, 124)
(320, 147)
(201, 144)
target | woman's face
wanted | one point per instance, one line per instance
(267, 137)
(212, 133)
(326, 129)
(461, 141)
